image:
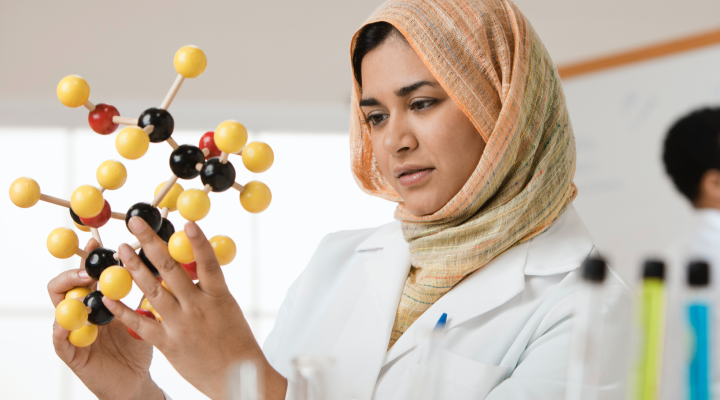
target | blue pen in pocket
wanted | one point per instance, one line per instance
(440, 325)
(428, 374)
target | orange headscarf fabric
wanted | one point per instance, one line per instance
(490, 61)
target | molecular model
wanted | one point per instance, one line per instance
(90, 211)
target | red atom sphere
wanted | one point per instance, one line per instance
(191, 270)
(100, 219)
(144, 313)
(207, 141)
(100, 119)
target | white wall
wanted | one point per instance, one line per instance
(620, 118)
(280, 65)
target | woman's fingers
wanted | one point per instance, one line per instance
(148, 329)
(212, 280)
(160, 298)
(63, 348)
(66, 281)
(156, 251)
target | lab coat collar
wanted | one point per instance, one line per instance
(381, 237)
(706, 223)
(709, 216)
(701, 242)
(560, 249)
(389, 269)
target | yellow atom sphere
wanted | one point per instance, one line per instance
(82, 227)
(132, 142)
(256, 197)
(84, 336)
(193, 204)
(71, 314)
(258, 157)
(190, 61)
(73, 91)
(224, 249)
(170, 200)
(87, 201)
(78, 292)
(180, 249)
(230, 136)
(62, 242)
(24, 192)
(111, 174)
(115, 282)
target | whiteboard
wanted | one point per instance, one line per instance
(620, 118)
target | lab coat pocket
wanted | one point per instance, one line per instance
(467, 379)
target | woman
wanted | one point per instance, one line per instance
(459, 116)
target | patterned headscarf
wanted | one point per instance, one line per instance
(490, 61)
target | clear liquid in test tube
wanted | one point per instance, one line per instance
(584, 363)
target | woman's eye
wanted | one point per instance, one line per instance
(422, 104)
(375, 119)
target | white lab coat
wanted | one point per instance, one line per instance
(508, 323)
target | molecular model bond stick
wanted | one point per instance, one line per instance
(82, 310)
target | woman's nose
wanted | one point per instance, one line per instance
(399, 137)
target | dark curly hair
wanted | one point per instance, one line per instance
(692, 146)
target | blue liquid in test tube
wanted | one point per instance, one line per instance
(699, 313)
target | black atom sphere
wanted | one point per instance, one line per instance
(166, 230)
(100, 315)
(148, 264)
(162, 122)
(75, 217)
(98, 260)
(150, 214)
(184, 159)
(218, 175)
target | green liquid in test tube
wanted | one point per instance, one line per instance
(652, 315)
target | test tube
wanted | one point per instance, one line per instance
(243, 382)
(652, 316)
(311, 378)
(585, 343)
(699, 320)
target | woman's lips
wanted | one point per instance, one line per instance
(415, 177)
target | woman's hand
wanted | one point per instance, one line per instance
(203, 330)
(116, 366)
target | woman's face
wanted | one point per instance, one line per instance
(424, 144)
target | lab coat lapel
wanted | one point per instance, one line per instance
(362, 344)
(485, 289)
(388, 273)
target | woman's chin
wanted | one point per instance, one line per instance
(421, 207)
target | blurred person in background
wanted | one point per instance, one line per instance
(691, 154)
(692, 160)
(458, 115)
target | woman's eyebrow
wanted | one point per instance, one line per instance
(369, 102)
(404, 91)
